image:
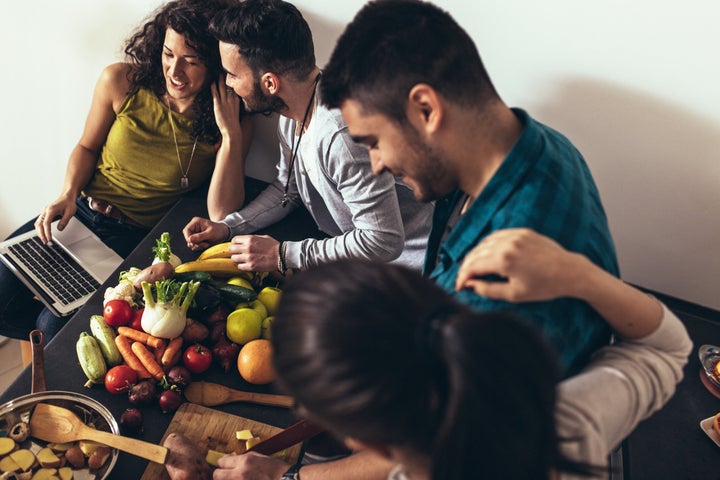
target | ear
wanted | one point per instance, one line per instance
(270, 83)
(425, 108)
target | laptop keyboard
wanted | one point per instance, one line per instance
(57, 270)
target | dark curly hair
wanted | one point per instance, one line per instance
(191, 19)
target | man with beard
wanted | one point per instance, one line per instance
(267, 52)
(413, 89)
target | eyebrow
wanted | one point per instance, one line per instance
(364, 139)
(184, 56)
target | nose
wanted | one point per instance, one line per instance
(377, 165)
(175, 67)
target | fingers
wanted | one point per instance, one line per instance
(43, 225)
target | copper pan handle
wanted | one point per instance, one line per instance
(37, 340)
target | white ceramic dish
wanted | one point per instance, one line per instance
(706, 425)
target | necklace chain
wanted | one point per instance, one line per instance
(296, 145)
(184, 182)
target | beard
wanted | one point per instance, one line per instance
(429, 177)
(258, 103)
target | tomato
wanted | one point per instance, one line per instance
(120, 378)
(136, 321)
(197, 358)
(117, 313)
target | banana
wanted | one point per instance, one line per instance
(214, 266)
(221, 250)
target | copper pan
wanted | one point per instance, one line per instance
(90, 410)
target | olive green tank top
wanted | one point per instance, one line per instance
(138, 171)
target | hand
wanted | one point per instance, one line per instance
(249, 466)
(201, 233)
(536, 267)
(64, 207)
(226, 105)
(255, 253)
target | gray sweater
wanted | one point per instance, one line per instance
(366, 216)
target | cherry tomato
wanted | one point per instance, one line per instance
(120, 378)
(197, 358)
(136, 321)
(117, 313)
(169, 400)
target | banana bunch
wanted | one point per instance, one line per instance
(214, 260)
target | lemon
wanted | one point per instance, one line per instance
(243, 325)
(270, 297)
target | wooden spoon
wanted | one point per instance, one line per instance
(210, 394)
(60, 425)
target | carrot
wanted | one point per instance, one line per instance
(158, 353)
(139, 336)
(147, 359)
(131, 360)
(172, 352)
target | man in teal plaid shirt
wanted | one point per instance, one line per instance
(413, 89)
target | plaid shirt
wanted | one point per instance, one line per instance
(543, 184)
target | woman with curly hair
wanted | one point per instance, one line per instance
(161, 124)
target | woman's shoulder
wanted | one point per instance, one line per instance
(115, 79)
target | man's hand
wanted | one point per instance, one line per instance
(255, 253)
(202, 233)
(249, 466)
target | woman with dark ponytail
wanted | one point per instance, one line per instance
(390, 363)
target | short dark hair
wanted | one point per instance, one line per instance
(271, 35)
(392, 45)
(379, 353)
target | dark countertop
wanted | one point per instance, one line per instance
(670, 444)
(63, 372)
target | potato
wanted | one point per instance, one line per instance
(65, 473)
(184, 460)
(99, 457)
(195, 332)
(153, 273)
(75, 456)
(7, 445)
(7, 464)
(24, 458)
(45, 474)
(47, 458)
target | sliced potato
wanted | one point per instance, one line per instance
(65, 473)
(244, 434)
(8, 464)
(213, 456)
(7, 445)
(47, 458)
(88, 446)
(24, 458)
(60, 447)
(45, 474)
(99, 457)
(251, 442)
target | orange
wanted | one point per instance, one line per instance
(255, 362)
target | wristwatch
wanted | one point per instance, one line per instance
(293, 472)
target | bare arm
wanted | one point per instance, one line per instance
(227, 186)
(110, 91)
(537, 268)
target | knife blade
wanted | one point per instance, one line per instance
(296, 433)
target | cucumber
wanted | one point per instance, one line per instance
(234, 294)
(91, 359)
(193, 276)
(105, 336)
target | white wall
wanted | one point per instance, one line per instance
(633, 84)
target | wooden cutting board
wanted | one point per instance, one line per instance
(215, 430)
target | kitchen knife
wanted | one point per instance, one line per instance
(296, 433)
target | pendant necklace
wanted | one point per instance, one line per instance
(295, 145)
(184, 182)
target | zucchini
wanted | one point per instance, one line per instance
(193, 276)
(91, 359)
(234, 294)
(105, 336)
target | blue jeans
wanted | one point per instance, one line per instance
(20, 313)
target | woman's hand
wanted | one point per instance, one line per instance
(226, 105)
(250, 466)
(63, 207)
(533, 266)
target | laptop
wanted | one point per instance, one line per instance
(64, 274)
